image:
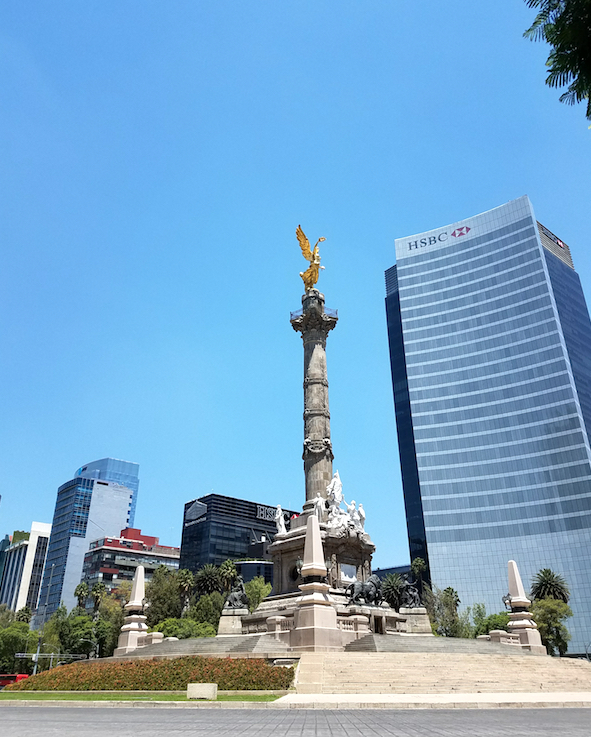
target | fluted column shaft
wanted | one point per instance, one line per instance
(314, 325)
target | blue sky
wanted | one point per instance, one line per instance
(156, 160)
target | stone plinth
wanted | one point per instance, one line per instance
(521, 622)
(417, 620)
(231, 621)
(208, 691)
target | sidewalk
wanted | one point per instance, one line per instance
(353, 701)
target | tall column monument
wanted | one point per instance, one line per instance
(314, 323)
(347, 546)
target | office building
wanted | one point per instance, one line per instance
(24, 559)
(490, 344)
(85, 509)
(120, 472)
(217, 528)
(111, 560)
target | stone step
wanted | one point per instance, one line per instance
(438, 672)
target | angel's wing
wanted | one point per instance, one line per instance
(304, 244)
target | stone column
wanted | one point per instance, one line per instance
(314, 324)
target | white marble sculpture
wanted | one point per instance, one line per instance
(280, 521)
(361, 513)
(320, 507)
(334, 491)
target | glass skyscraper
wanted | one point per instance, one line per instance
(96, 503)
(490, 345)
(120, 472)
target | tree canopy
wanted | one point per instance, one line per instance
(549, 585)
(566, 26)
(549, 615)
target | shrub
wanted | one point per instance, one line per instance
(240, 674)
(185, 628)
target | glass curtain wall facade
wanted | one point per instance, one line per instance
(125, 473)
(489, 342)
(85, 508)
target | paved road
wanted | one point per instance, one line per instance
(156, 722)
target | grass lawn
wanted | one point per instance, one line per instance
(122, 696)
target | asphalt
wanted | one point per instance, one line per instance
(170, 722)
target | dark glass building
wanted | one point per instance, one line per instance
(217, 528)
(490, 344)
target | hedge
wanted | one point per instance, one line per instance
(239, 674)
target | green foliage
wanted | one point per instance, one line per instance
(549, 615)
(418, 567)
(81, 592)
(442, 607)
(207, 579)
(185, 628)
(483, 623)
(566, 26)
(392, 587)
(163, 596)
(23, 615)
(98, 593)
(256, 590)
(549, 585)
(208, 608)
(14, 638)
(228, 574)
(160, 675)
(6, 616)
(186, 582)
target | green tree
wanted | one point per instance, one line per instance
(186, 582)
(163, 596)
(208, 608)
(14, 639)
(418, 567)
(6, 616)
(549, 615)
(228, 574)
(442, 607)
(549, 585)
(483, 623)
(207, 579)
(98, 593)
(566, 26)
(392, 587)
(81, 592)
(23, 615)
(256, 590)
(185, 628)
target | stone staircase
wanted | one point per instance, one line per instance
(420, 644)
(222, 647)
(439, 671)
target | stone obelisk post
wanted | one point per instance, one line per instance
(314, 323)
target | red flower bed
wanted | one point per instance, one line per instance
(160, 675)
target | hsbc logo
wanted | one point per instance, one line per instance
(433, 239)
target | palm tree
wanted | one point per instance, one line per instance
(186, 581)
(228, 574)
(392, 586)
(98, 594)
(81, 593)
(207, 579)
(566, 26)
(549, 585)
(418, 567)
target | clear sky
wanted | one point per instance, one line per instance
(156, 160)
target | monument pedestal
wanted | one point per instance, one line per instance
(417, 620)
(231, 621)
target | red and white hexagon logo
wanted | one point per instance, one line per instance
(461, 231)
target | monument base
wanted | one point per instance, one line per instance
(417, 621)
(231, 622)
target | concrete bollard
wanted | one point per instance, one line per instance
(207, 691)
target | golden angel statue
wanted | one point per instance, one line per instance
(310, 276)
